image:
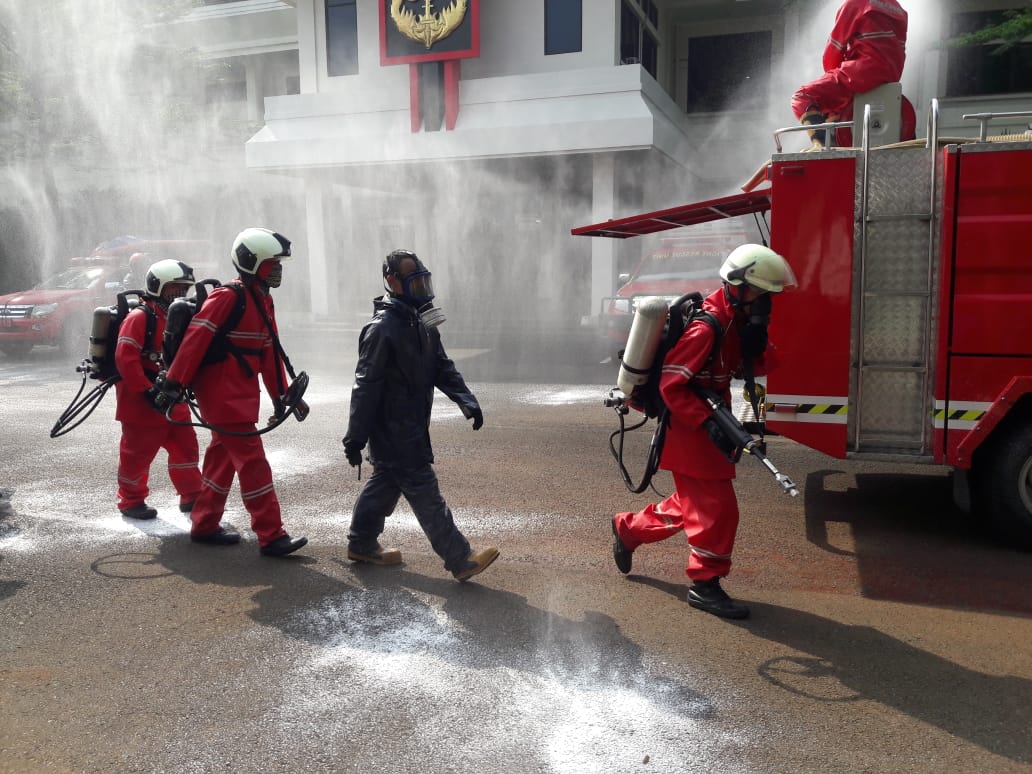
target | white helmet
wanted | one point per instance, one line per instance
(165, 272)
(254, 246)
(759, 267)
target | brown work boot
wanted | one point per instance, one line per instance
(379, 555)
(476, 563)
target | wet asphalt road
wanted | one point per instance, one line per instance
(887, 633)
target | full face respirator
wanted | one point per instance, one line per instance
(417, 287)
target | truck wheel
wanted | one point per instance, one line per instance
(16, 348)
(1003, 484)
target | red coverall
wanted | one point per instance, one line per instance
(229, 398)
(704, 504)
(866, 49)
(144, 429)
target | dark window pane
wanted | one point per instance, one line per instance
(630, 35)
(728, 72)
(341, 37)
(649, 54)
(563, 23)
(984, 69)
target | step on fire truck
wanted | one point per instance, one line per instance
(909, 337)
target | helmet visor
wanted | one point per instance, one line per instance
(418, 287)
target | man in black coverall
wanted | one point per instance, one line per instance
(400, 362)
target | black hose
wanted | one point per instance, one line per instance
(89, 401)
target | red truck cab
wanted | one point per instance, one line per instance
(59, 310)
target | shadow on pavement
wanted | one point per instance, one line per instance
(911, 542)
(859, 662)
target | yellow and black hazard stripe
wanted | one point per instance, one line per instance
(807, 408)
(961, 415)
(822, 408)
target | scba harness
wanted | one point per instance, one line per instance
(646, 396)
(99, 363)
(181, 313)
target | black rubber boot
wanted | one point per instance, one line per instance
(141, 512)
(283, 546)
(223, 536)
(621, 553)
(707, 595)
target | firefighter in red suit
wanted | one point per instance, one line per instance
(228, 394)
(866, 49)
(144, 429)
(704, 505)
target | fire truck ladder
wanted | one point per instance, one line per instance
(896, 235)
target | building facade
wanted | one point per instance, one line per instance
(560, 113)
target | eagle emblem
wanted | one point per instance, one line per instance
(428, 27)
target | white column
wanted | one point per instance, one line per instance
(603, 249)
(322, 275)
(310, 44)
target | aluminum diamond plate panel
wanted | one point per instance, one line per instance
(897, 256)
(893, 409)
(894, 331)
(900, 181)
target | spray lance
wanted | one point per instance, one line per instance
(732, 438)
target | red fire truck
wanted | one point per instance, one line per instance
(910, 336)
(669, 270)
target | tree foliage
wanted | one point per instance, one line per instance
(1014, 29)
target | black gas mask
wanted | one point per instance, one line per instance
(754, 333)
(417, 287)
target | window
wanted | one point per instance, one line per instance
(728, 71)
(639, 38)
(563, 23)
(983, 69)
(227, 82)
(341, 37)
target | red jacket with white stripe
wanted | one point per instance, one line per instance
(866, 49)
(138, 363)
(226, 393)
(688, 448)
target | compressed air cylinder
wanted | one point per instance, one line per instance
(102, 319)
(646, 330)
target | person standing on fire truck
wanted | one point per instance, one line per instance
(144, 428)
(866, 49)
(226, 386)
(400, 362)
(704, 505)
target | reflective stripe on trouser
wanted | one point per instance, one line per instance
(136, 452)
(379, 497)
(705, 509)
(244, 456)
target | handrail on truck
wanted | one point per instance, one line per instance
(810, 128)
(984, 119)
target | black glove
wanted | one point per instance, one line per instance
(165, 394)
(353, 451)
(721, 441)
(278, 412)
(151, 396)
(478, 418)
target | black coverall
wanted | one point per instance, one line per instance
(400, 362)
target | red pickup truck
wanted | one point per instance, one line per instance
(59, 310)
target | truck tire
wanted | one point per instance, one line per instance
(1003, 483)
